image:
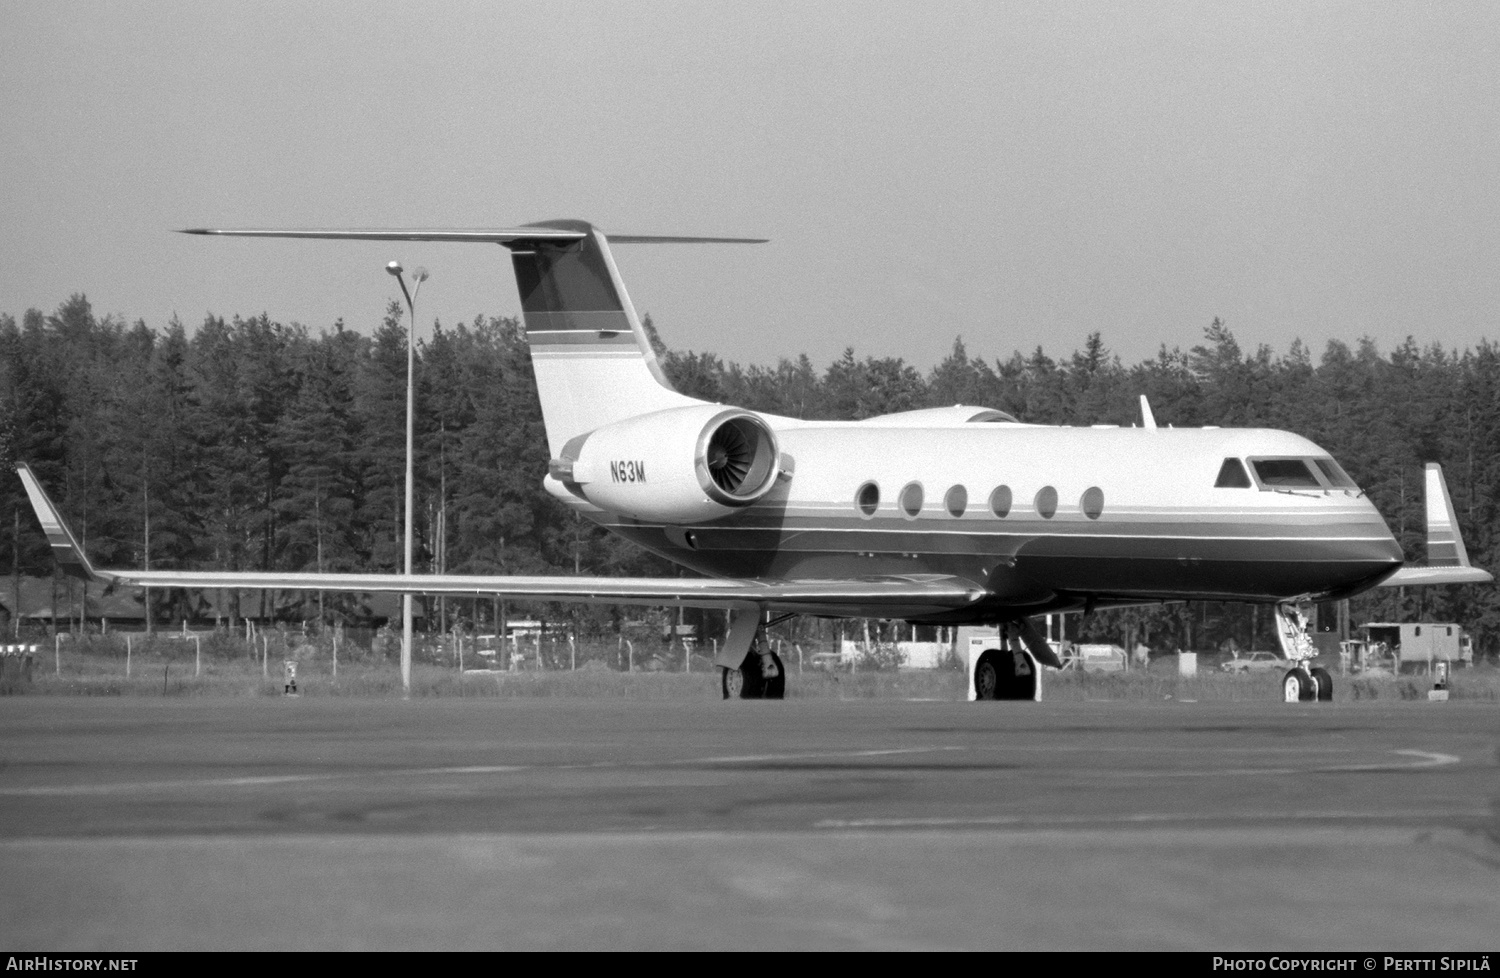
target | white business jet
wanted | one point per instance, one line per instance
(947, 516)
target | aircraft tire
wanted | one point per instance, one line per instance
(1296, 686)
(775, 687)
(745, 682)
(1325, 685)
(986, 678)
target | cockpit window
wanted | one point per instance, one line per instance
(1285, 473)
(1232, 475)
(1334, 473)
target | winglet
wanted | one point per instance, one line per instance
(1447, 558)
(1445, 548)
(70, 556)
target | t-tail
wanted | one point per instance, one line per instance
(593, 362)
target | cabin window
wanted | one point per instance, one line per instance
(1000, 501)
(956, 501)
(1232, 475)
(868, 499)
(1092, 502)
(1046, 502)
(1285, 473)
(1334, 473)
(911, 499)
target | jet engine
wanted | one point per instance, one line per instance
(682, 465)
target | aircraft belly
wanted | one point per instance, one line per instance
(1267, 567)
(1030, 563)
(804, 555)
(1197, 578)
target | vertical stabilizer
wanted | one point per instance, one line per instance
(594, 364)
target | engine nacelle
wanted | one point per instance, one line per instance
(682, 465)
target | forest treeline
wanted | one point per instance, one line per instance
(247, 444)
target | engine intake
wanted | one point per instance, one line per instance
(737, 459)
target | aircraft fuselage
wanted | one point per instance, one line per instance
(1045, 518)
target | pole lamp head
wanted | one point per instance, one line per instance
(394, 268)
(419, 274)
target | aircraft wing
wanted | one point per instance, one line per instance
(893, 596)
(930, 592)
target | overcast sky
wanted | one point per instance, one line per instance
(1015, 173)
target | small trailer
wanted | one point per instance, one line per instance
(1416, 646)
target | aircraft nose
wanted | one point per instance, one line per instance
(1370, 554)
(1377, 543)
(1386, 546)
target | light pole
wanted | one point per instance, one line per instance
(419, 276)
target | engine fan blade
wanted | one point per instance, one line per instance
(729, 457)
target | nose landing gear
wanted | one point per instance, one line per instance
(1303, 683)
(1297, 686)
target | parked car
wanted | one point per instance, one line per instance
(1254, 662)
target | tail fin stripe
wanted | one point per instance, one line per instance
(540, 336)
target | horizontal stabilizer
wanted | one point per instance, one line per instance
(1447, 557)
(505, 236)
(478, 235)
(676, 239)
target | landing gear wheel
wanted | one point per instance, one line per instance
(774, 688)
(1297, 686)
(986, 678)
(1325, 685)
(745, 682)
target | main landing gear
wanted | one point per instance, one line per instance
(748, 668)
(1010, 671)
(1006, 674)
(761, 676)
(1303, 683)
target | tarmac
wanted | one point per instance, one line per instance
(332, 823)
